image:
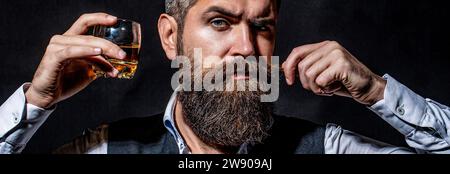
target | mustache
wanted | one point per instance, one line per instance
(234, 67)
(233, 75)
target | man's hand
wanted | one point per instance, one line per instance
(66, 67)
(327, 68)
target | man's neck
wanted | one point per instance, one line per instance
(196, 146)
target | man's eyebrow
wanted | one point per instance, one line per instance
(263, 21)
(256, 21)
(264, 18)
(222, 11)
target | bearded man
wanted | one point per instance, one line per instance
(218, 122)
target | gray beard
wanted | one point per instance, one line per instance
(226, 120)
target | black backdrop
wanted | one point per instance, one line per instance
(408, 40)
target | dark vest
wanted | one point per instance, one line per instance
(149, 136)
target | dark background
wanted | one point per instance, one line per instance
(409, 40)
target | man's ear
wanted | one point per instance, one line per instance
(168, 28)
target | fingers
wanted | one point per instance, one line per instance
(87, 20)
(77, 52)
(316, 62)
(327, 78)
(320, 67)
(329, 82)
(84, 52)
(105, 66)
(297, 55)
(309, 71)
(109, 49)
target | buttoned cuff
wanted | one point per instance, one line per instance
(401, 107)
(19, 120)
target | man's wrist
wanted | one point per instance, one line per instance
(37, 100)
(377, 90)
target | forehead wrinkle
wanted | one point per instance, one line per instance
(244, 11)
(229, 6)
(265, 13)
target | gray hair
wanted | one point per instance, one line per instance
(178, 9)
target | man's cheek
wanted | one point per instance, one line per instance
(206, 36)
(265, 47)
(211, 61)
(213, 42)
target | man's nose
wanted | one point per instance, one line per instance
(244, 44)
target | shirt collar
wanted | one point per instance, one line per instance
(169, 123)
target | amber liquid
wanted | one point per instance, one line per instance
(126, 67)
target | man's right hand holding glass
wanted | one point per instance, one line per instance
(66, 67)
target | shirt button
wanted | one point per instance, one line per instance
(400, 110)
(16, 118)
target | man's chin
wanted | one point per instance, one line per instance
(227, 119)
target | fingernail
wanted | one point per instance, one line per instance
(112, 17)
(113, 73)
(98, 50)
(288, 81)
(321, 91)
(122, 54)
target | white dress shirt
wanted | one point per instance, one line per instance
(424, 123)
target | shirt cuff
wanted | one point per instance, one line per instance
(19, 120)
(401, 107)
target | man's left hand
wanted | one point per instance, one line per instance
(327, 69)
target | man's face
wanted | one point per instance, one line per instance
(230, 28)
(224, 29)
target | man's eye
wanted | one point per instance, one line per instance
(220, 24)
